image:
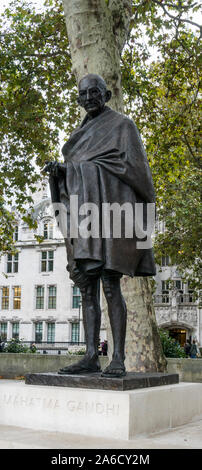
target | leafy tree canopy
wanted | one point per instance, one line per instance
(162, 94)
(160, 77)
(37, 97)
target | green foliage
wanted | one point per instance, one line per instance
(171, 348)
(162, 95)
(7, 219)
(15, 346)
(37, 96)
(181, 240)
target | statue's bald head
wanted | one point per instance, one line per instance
(93, 94)
(97, 78)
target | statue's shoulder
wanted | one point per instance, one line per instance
(122, 118)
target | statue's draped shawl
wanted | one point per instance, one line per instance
(106, 163)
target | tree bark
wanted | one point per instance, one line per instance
(97, 31)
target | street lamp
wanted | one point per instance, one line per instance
(80, 304)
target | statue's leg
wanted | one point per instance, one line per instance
(118, 317)
(91, 317)
(91, 320)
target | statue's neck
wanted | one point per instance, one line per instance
(90, 117)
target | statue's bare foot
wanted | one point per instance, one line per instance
(116, 368)
(87, 365)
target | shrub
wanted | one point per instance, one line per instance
(15, 346)
(171, 347)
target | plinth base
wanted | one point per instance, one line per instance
(94, 381)
(99, 413)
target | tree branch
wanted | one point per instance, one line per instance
(176, 18)
(179, 7)
(195, 158)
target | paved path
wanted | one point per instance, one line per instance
(183, 437)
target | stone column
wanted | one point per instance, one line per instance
(9, 330)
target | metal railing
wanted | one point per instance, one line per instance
(181, 299)
(54, 347)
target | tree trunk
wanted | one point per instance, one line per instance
(143, 346)
(97, 30)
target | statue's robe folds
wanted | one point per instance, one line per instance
(106, 163)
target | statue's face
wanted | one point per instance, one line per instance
(92, 96)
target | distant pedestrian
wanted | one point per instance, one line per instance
(2, 344)
(99, 348)
(193, 350)
(33, 348)
(104, 347)
(187, 348)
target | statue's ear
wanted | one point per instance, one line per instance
(108, 95)
(78, 100)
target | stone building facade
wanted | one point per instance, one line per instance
(39, 303)
(176, 308)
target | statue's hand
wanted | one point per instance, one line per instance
(47, 168)
(55, 168)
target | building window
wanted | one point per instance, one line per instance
(190, 294)
(15, 234)
(165, 260)
(16, 297)
(76, 297)
(48, 231)
(3, 331)
(15, 330)
(165, 291)
(5, 298)
(38, 332)
(47, 261)
(179, 287)
(39, 297)
(75, 332)
(178, 284)
(52, 297)
(12, 263)
(51, 332)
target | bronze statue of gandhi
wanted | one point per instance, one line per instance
(104, 162)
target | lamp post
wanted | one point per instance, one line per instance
(80, 304)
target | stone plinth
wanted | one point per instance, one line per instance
(95, 381)
(99, 413)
